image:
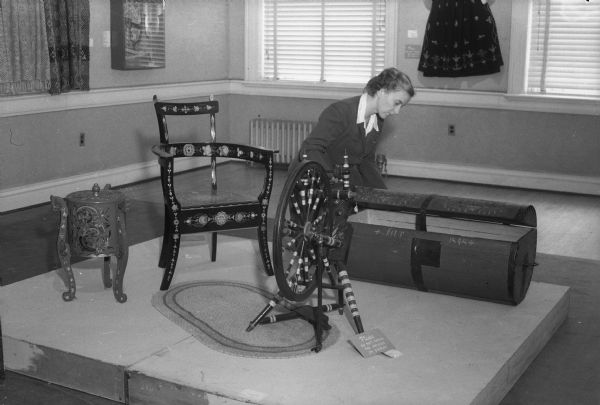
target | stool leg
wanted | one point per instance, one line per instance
(119, 275)
(63, 248)
(64, 253)
(106, 280)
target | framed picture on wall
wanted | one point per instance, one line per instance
(137, 34)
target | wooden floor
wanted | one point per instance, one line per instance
(566, 372)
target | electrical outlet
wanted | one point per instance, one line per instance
(82, 139)
(451, 130)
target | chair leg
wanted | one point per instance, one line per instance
(263, 244)
(167, 246)
(213, 247)
(171, 260)
(166, 242)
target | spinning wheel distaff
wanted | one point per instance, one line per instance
(310, 239)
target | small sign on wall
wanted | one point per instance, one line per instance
(412, 51)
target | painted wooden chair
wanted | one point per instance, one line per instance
(206, 209)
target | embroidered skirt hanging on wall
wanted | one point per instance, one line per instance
(460, 40)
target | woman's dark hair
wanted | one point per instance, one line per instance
(390, 79)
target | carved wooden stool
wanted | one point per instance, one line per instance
(92, 224)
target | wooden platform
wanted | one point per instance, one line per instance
(455, 350)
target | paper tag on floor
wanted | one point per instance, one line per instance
(373, 342)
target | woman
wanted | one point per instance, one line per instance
(353, 126)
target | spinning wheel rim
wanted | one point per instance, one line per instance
(297, 226)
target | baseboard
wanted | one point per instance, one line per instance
(496, 177)
(39, 193)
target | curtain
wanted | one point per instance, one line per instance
(24, 60)
(68, 28)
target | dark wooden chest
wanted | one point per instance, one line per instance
(488, 260)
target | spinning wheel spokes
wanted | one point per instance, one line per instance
(303, 228)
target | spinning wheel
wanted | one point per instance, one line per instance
(310, 239)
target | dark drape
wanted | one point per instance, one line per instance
(460, 40)
(68, 32)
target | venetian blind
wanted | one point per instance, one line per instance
(564, 48)
(323, 40)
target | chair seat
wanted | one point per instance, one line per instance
(197, 198)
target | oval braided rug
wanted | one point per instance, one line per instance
(218, 312)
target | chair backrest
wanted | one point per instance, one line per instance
(164, 109)
(210, 107)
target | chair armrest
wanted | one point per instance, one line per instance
(268, 150)
(163, 150)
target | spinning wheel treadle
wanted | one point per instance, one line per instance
(311, 238)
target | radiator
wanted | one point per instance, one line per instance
(282, 135)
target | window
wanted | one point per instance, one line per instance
(319, 41)
(564, 48)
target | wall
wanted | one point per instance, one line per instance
(197, 45)
(205, 43)
(496, 139)
(42, 147)
(563, 144)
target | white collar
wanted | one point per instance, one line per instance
(360, 118)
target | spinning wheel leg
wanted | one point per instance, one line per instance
(293, 314)
(350, 299)
(274, 301)
(319, 311)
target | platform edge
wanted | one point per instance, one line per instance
(65, 369)
(522, 358)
